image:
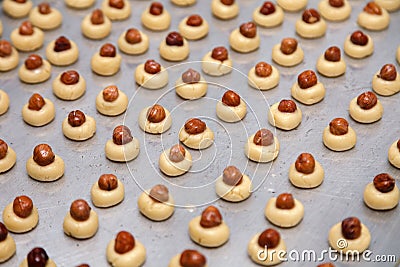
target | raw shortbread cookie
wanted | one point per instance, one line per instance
(183, 2)
(263, 76)
(62, 51)
(155, 119)
(311, 25)
(225, 9)
(262, 146)
(44, 165)
(78, 126)
(17, 9)
(339, 136)
(193, 27)
(116, 9)
(4, 102)
(306, 172)
(21, 215)
(209, 229)
(191, 85)
(69, 85)
(232, 185)
(79, 4)
(27, 37)
(231, 108)
(308, 90)
(284, 211)
(331, 63)
(38, 111)
(288, 53)
(96, 25)
(389, 5)
(107, 191)
(268, 15)
(188, 257)
(335, 10)
(373, 17)
(81, 222)
(382, 193)
(387, 81)
(34, 70)
(174, 47)
(151, 75)
(217, 62)
(123, 146)
(366, 108)
(358, 45)
(125, 251)
(7, 244)
(133, 42)
(111, 101)
(37, 257)
(272, 245)
(45, 17)
(9, 56)
(285, 115)
(175, 161)
(292, 5)
(157, 203)
(106, 62)
(394, 154)
(245, 39)
(156, 17)
(196, 134)
(8, 157)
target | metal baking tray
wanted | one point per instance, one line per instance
(338, 197)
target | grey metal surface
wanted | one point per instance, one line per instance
(338, 197)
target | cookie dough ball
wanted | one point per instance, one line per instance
(45, 17)
(373, 17)
(155, 119)
(108, 191)
(311, 25)
(69, 85)
(38, 111)
(217, 62)
(157, 203)
(174, 47)
(382, 193)
(37, 257)
(331, 63)
(123, 147)
(232, 185)
(34, 70)
(44, 165)
(262, 146)
(8, 157)
(394, 154)
(231, 108)
(125, 250)
(349, 235)
(389, 5)
(133, 42)
(21, 215)
(151, 75)
(366, 108)
(285, 115)
(96, 25)
(339, 136)
(79, 4)
(224, 9)
(263, 76)
(245, 39)
(116, 9)
(284, 211)
(193, 27)
(358, 45)
(191, 85)
(335, 10)
(9, 56)
(292, 5)
(288, 53)
(107, 62)
(4, 102)
(7, 244)
(156, 17)
(81, 222)
(387, 81)
(78, 126)
(270, 239)
(268, 15)
(196, 134)
(62, 51)
(183, 2)
(308, 90)
(17, 9)
(188, 258)
(209, 229)
(175, 161)
(27, 37)
(306, 172)
(111, 101)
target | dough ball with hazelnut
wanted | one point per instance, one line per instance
(20, 216)
(231, 108)
(107, 191)
(311, 25)
(38, 111)
(7, 244)
(217, 62)
(263, 76)
(175, 161)
(358, 45)
(155, 119)
(262, 146)
(382, 193)
(196, 134)
(96, 25)
(125, 250)
(69, 85)
(123, 147)
(27, 37)
(107, 61)
(17, 9)
(156, 17)
(233, 185)
(133, 42)
(285, 115)
(193, 27)
(191, 85)
(308, 90)
(34, 70)
(284, 210)
(78, 126)
(37, 257)
(45, 17)
(157, 203)
(151, 75)
(331, 63)
(174, 47)
(245, 39)
(188, 257)
(394, 154)
(9, 57)
(8, 157)
(339, 135)
(225, 9)
(116, 9)
(386, 82)
(111, 101)
(81, 222)
(306, 172)
(373, 17)
(268, 15)
(62, 51)
(288, 53)
(366, 108)
(335, 10)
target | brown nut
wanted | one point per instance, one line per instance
(33, 62)
(311, 16)
(37, 257)
(20, 1)
(26, 28)
(305, 163)
(156, 8)
(97, 17)
(267, 8)
(248, 29)
(288, 46)
(263, 137)
(398, 145)
(124, 242)
(195, 126)
(110, 93)
(133, 36)
(80, 210)
(3, 232)
(285, 201)
(232, 176)
(70, 77)
(108, 50)
(108, 182)
(327, 264)
(351, 228)
(152, 67)
(22, 206)
(210, 217)
(177, 153)
(388, 72)
(83, 265)
(44, 8)
(191, 76)
(118, 4)
(76, 118)
(263, 69)
(367, 100)
(5, 48)
(36, 102)
(43, 155)
(159, 193)
(3, 149)
(219, 53)
(287, 106)
(307, 79)
(62, 44)
(339, 126)
(230, 98)
(270, 238)
(359, 38)
(174, 39)
(122, 135)
(192, 258)
(332, 54)
(384, 183)
(156, 114)
(336, 3)
(228, 2)
(194, 20)
(373, 9)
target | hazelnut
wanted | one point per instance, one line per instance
(195, 126)
(285, 201)
(23, 206)
(20, 1)
(338, 126)
(287, 106)
(263, 69)
(191, 76)
(398, 145)
(388, 72)
(97, 17)
(336, 3)
(108, 50)
(351, 228)
(230, 98)
(227, 2)
(80, 210)
(26, 28)
(3, 232)
(177, 153)
(288, 46)
(307, 79)
(69, 77)
(118, 4)
(332, 54)
(359, 38)
(3, 149)
(37, 257)
(33, 62)
(159, 193)
(156, 114)
(373, 9)
(248, 29)
(133, 36)
(210, 217)
(174, 38)
(122, 135)
(219, 53)
(305, 163)
(124, 242)
(5, 48)
(44, 8)
(36, 102)
(83, 265)
(152, 67)
(194, 20)
(110, 93)
(384, 183)
(267, 8)
(367, 100)
(270, 238)
(263, 137)
(311, 16)
(62, 44)
(43, 155)
(192, 258)
(76, 118)
(108, 182)
(232, 176)
(156, 8)
(328, 264)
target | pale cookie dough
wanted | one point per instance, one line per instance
(133, 49)
(81, 229)
(4, 102)
(174, 52)
(263, 83)
(39, 117)
(331, 68)
(113, 108)
(105, 66)
(389, 5)
(156, 22)
(359, 244)
(79, 4)
(48, 21)
(284, 217)
(38, 75)
(339, 142)
(365, 115)
(253, 249)
(216, 67)
(231, 113)
(15, 9)
(193, 32)
(183, 2)
(9, 62)
(48, 173)
(310, 180)
(384, 87)
(62, 58)
(394, 155)
(284, 120)
(7, 248)
(16, 224)
(292, 5)
(49, 263)
(154, 127)
(208, 237)
(358, 51)
(311, 30)
(334, 13)
(197, 141)
(243, 44)
(96, 31)
(82, 132)
(151, 81)
(68, 91)
(115, 13)
(191, 91)
(260, 153)
(153, 209)
(27, 43)
(171, 168)
(8, 161)
(271, 20)
(287, 60)
(107, 198)
(377, 200)
(308, 96)
(234, 193)
(125, 151)
(374, 22)
(224, 12)
(133, 258)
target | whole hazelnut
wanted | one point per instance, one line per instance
(263, 137)
(194, 20)
(122, 135)
(156, 8)
(97, 17)
(263, 69)
(177, 153)
(270, 238)
(44, 8)
(332, 54)
(23, 206)
(37, 257)
(305, 163)
(230, 98)
(62, 44)
(152, 67)
(219, 53)
(248, 29)
(388, 72)
(36, 102)
(124, 242)
(3, 232)
(210, 217)
(43, 155)
(174, 39)
(110, 93)
(133, 36)
(288, 46)
(20, 1)
(339, 126)
(108, 50)
(76, 118)
(398, 145)
(195, 126)
(359, 38)
(336, 3)
(26, 28)
(108, 182)
(367, 100)
(227, 2)
(3, 149)
(80, 210)
(311, 16)
(351, 228)
(156, 114)
(33, 62)
(287, 106)
(191, 76)
(384, 183)
(83, 265)
(192, 258)
(307, 79)
(327, 264)
(285, 201)
(5, 48)
(69, 77)
(232, 176)
(373, 9)
(267, 8)
(118, 4)
(159, 193)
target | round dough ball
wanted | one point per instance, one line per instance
(104, 198)
(19, 225)
(270, 20)
(284, 120)
(79, 4)
(191, 91)
(156, 23)
(170, 168)
(339, 142)
(381, 201)
(173, 52)
(81, 229)
(183, 2)
(8, 161)
(314, 30)
(39, 117)
(261, 153)
(15, 9)
(224, 12)
(235, 193)
(115, 13)
(46, 21)
(197, 141)
(62, 58)
(133, 258)
(133, 49)
(4, 102)
(151, 81)
(334, 13)
(243, 44)
(50, 263)
(308, 96)
(230, 113)
(69, 91)
(82, 132)
(359, 244)
(389, 5)
(48, 173)
(114, 108)
(193, 32)
(287, 60)
(95, 31)
(175, 261)
(374, 22)
(331, 68)
(9, 62)
(394, 155)
(358, 51)
(215, 67)
(292, 5)
(284, 217)
(155, 210)
(208, 237)
(263, 83)
(310, 180)
(105, 66)
(27, 43)
(7, 248)
(253, 249)
(365, 115)
(38, 75)
(122, 153)
(154, 127)
(386, 88)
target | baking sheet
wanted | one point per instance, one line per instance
(338, 197)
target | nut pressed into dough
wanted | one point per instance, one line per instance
(331, 68)
(337, 240)
(287, 60)
(234, 193)
(82, 132)
(133, 49)
(389, 5)
(308, 96)
(9, 62)
(81, 229)
(16, 224)
(62, 58)
(257, 253)
(8, 161)
(310, 31)
(191, 91)
(4, 102)
(270, 20)
(115, 13)
(193, 32)
(38, 75)
(394, 155)
(104, 198)
(334, 13)
(79, 4)
(386, 88)
(284, 120)
(197, 141)
(284, 217)
(231, 114)
(374, 22)
(263, 83)
(171, 168)
(183, 2)
(15, 9)
(39, 117)
(7, 248)
(310, 180)
(292, 5)
(27, 43)
(381, 201)
(105, 66)
(261, 153)
(175, 261)
(358, 51)
(95, 31)
(133, 258)
(208, 237)
(114, 108)
(69, 91)
(339, 142)
(46, 21)
(154, 127)
(243, 44)
(154, 22)
(215, 67)
(365, 115)
(155, 210)
(50, 263)
(151, 81)
(173, 52)
(122, 153)
(224, 12)
(48, 173)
